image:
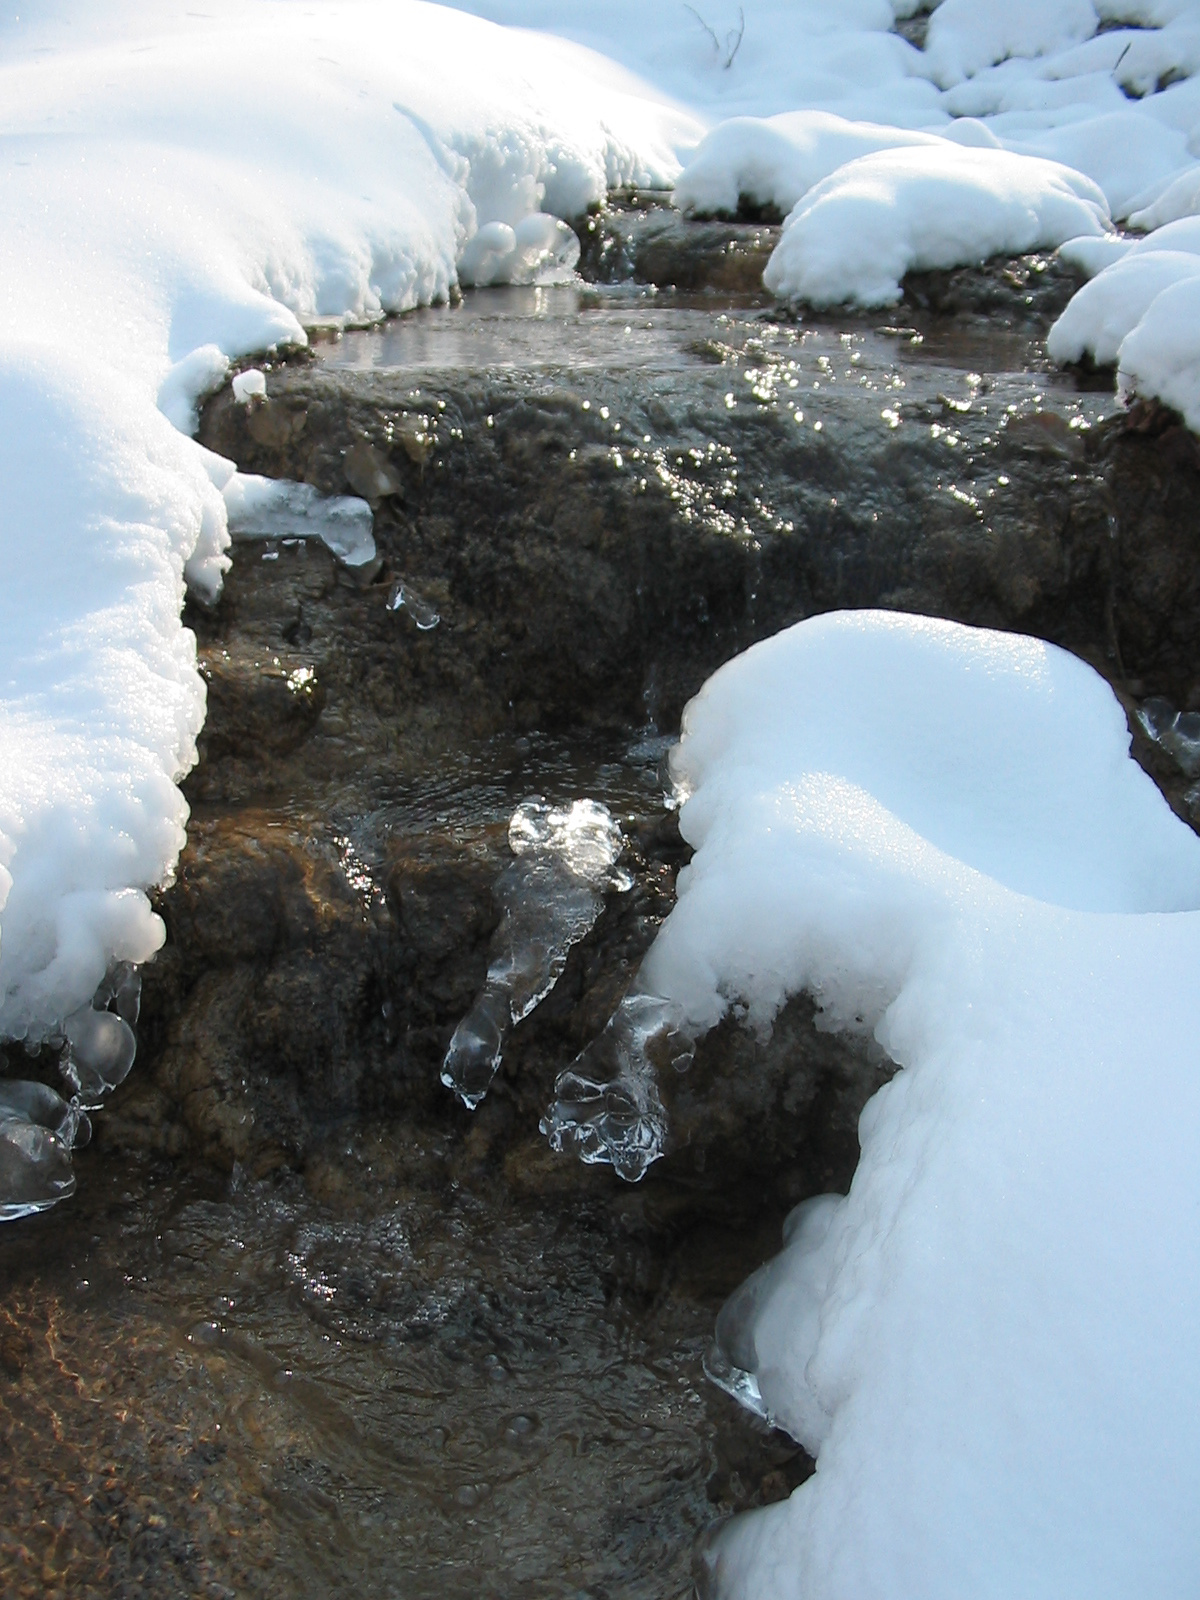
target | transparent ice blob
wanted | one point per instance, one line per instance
(37, 1132)
(100, 1039)
(565, 861)
(38, 1128)
(607, 1107)
(732, 1360)
(1176, 732)
(100, 1050)
(276, 508)
(404, 597)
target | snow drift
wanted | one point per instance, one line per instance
(989, 1344)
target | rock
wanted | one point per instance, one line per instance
(601, 521)
(657, 245)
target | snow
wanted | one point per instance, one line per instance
(855, 235)
(776, 161)
(249, 385)
(1161, 355)
(1105, 310)
(990, 1341)
(966, 36)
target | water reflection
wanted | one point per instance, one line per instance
(437, 1390)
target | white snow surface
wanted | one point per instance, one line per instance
(990, 1343)
(855, 235)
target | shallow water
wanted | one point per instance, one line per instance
(430, 1391)
(621, 328)
(429, 1362)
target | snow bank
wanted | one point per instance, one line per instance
(1141, 313)
(939, 833)
(855, 235)
(776, 161)
(180, 190)
(1161, 355)
(1105, 310)
(104, 502)
(967, 35)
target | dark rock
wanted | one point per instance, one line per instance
(661, 247)
(330, 922)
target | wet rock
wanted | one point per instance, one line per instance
(598, 535)
(1031, 288)
(657, 245)
(259, 708)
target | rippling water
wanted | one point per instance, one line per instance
(429, 1389)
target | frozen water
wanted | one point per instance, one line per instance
(404, 597)
(539, 247)
(100, 1049)
(272, 508)
(607, 1107)
(37, 1132)
(1178, 732)
(731, 1361)
(121, 991)
(38, 1128)
(566, 860)
(35, 1169)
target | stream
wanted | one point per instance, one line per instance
(311, 1327)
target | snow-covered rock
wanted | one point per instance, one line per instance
(855, 235)
(939, 833)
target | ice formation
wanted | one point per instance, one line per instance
(1178, 732)
(938, 832)
(403, 597)
(539, 246)
(38, 1128)
(566, 858)
(607, 1109)
(276, 508)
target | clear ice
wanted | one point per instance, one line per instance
(539, 248)
(276, 508)
(1176, 732)
(38, 1128)
(565, 860)
(404, 597)
(607, 1107)
(732, 1359)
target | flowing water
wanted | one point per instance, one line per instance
(376, 1380)
(425, 1356)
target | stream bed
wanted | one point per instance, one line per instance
(312, 1328)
